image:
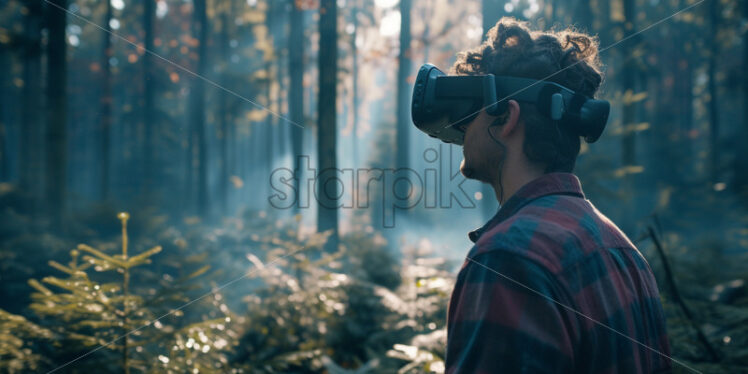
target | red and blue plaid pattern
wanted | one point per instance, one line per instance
(553, 286)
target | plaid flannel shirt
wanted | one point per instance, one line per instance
(542, 272)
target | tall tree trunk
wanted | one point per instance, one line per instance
(552, 12)
(296, 81)
(355, 100)
(741, 157)
(492, 12)
(428, 11)
(684, 111)
(327, 193)
(105, 103)
(628, 76)
(189, 170)
(30, 161)
(149, 121)
(258, 151)
(403, 95)
(713, 40)
(296, 91)
(665, 116)
(628, 154)
(223, 115)
(583, 16)
(56, 138)
(604, 25)
(197, 115)
(4, 151)
(278, 32)
(270, 118)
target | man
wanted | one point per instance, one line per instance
(551, 284)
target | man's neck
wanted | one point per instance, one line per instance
(514, 176)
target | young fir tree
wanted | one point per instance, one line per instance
(17, 338)
(104, 316)
(90, 312)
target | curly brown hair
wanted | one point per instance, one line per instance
(566, 57)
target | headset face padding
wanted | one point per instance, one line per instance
(442, 104)
(428, 111)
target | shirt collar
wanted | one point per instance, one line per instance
(547, 184)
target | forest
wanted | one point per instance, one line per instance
(160, 162)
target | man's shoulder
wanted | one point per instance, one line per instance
(555, 231)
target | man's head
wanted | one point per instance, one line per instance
(521, 138)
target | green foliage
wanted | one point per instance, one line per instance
(313, 305)
(17, 335)
(709, 270)
(95, 308)
(290, 306)
(159, 310)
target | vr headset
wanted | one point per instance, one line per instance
(442, 104)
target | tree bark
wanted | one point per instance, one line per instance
(355, 100)
(56, 137)
(197, 117)
(713, 40)
(583, 16)
(105, 104)
(4, 151)
(628, 150)
(296, 90)
(628, 76)
(327, 186)
(683, 111)
(224, 116)
(149, 123)
(270, 118)
(492, 12)
(31, 148)
(741, 157)
(403, 96)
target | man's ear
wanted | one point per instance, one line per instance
(512, 121)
